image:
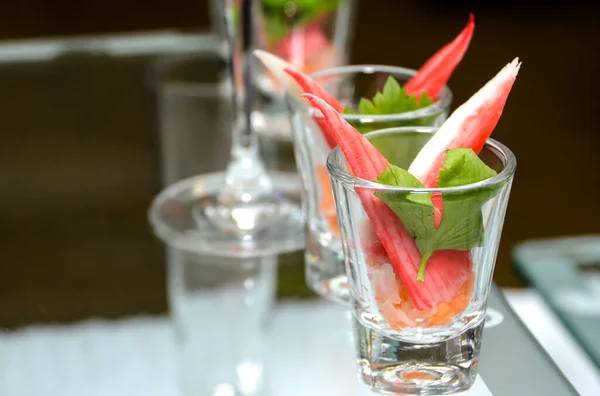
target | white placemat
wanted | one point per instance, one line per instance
(311, 354)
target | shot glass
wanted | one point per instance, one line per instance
(324, 259)
(311, 35)
(403, 349)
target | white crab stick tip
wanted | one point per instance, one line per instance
(452, 127)
(277, 66)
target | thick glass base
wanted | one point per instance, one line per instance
(188, 215)
(392, 367)
(325, 268)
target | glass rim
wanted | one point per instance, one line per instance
(442, 102)
(348, 180)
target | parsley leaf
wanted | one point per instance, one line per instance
(461, 227)
(392, 99)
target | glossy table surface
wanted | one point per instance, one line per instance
(136, 356)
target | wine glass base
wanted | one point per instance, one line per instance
(188, 215)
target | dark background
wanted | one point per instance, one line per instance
(74, 240)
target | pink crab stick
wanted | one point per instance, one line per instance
(469, 126)
(306, 47)
(298, 83)
(310, 86)
(446, 272)
(435, 73)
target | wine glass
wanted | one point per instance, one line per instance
(244, 211)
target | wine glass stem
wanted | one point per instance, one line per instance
(246, 178)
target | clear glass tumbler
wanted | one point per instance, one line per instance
(221, 311)
(324, 259)
(403, 349)
(311, 35)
